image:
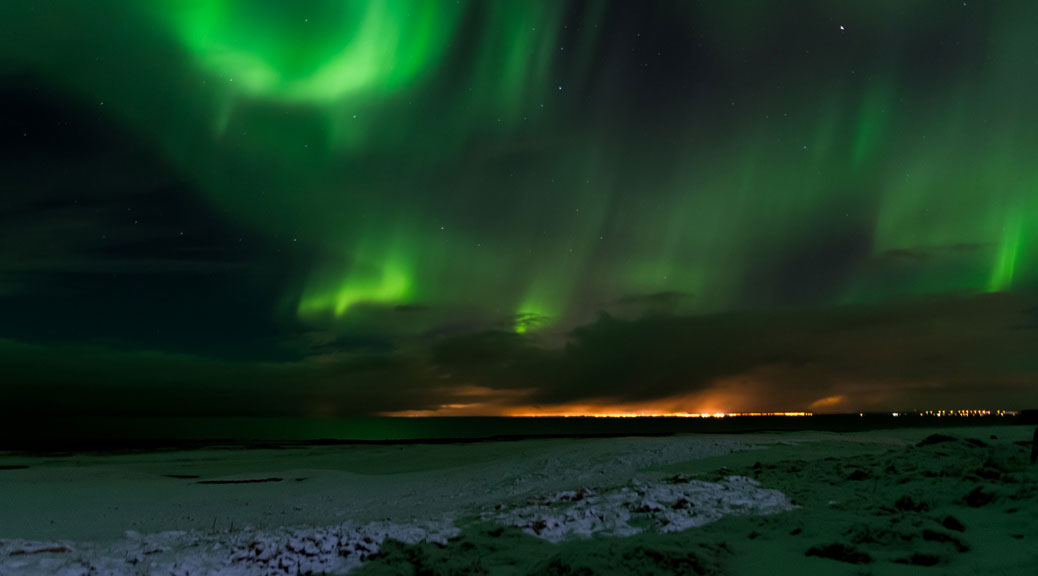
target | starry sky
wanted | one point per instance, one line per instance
(342, 208)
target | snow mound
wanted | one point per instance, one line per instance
(284, 551)
(667, 506)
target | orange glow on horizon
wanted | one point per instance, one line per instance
(654, 414)
(583, 411)
(829, 401)
(688, 406)
(721, 402)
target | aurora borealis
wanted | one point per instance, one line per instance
(329, 207)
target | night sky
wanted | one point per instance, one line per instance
(340, 208)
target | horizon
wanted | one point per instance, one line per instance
(178, 432)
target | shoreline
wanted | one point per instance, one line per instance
(104, 436)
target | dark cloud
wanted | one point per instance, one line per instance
(58, 381)
(666, 302)
(909, 256)
(896, 356)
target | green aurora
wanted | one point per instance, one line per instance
(524, 165)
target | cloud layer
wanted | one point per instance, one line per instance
(955, 351)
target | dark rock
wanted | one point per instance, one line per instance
(255, 481)
(683, 504)
(859, 475)
(953, 523)
(935, 439)
(978, 497)
(45, 550)
(1034, 447)
(994, 465)
(920, 559)
(987, 473)
(576, 496)
(557, 567)
(840, 553)
(934, 536)
(864, 534)
(909, 504)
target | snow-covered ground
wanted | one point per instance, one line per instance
(97, 497)
(838, 502)
(674, 505)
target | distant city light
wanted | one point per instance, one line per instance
(662, 415)
(963, 413)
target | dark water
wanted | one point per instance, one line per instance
(144, 433)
